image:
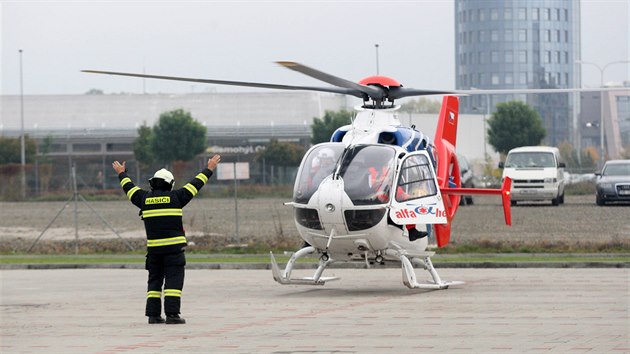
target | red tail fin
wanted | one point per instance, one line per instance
(447, 166)
(447, 123)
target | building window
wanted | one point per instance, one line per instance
(481, 13)
(507, 13)
(522, 35)
(509, 56)
(494, 14)
(566, 15)
(536, 36)
(558, 57)
(547, 35)
(494, 57)
(86, 147)
(566, 57)
(546, 14)
(566, 36)
(494, 35)
(557, 15)
(558, 37)
(507, 36)
(522, 56)
(508, 79)
(522, 13)
(495, 78)
(522, 78)
(482, 58)
(482, 79)
(119, 147)
(535, 14)
(547, 56)
(482, 36)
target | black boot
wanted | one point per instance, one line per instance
(156, 319)
(414, 234)
(174, 319)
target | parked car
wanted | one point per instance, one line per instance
(537, 173)
(467, 178)
(613, 183)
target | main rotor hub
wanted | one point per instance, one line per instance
(380, 80)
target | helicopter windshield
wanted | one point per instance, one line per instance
(318, 164)
(368, 173)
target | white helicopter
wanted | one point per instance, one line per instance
(378, 190)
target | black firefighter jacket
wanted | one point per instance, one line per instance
(162, 211)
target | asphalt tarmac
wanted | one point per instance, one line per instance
(533, 310)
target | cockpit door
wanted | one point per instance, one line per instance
(417, 198)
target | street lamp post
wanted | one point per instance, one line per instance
(602, 150)
(22, 138)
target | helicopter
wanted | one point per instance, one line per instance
(378, 190)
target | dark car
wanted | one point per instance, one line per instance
(613, 183)
(467, 178)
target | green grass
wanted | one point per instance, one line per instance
(264, 258)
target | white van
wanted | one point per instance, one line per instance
(537, 173)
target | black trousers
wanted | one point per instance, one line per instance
(165, 270)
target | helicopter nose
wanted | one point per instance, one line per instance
(330, 204)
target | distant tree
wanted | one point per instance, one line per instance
(11, 150)
(282, 154)
(142, 148)
(421, 105)
(590, 156)
(324, 128)
(514, 124)
(94, 92)
(177, 137)
(569, 155)
(44, 149)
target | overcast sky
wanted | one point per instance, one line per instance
(240, 40)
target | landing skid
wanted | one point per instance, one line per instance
(409, 274)
(285, 277)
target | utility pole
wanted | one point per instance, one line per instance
(22, 138)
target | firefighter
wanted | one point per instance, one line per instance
(161, 210)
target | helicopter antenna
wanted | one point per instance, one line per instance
(376, 46)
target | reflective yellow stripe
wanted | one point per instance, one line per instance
(132, 191)
(172, 292)
(202, 177)
(191, 189)
(125, 181)
(154, 294)
(166, 241)
(161, 212)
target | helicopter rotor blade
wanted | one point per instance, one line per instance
(400, 92)
(373, 92)
(341, 90)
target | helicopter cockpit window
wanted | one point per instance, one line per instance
(368, 173)
(319, 164)
(416, 179)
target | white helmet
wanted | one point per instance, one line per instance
(326, 153)
(164, 174)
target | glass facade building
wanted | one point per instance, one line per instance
(520, 44)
